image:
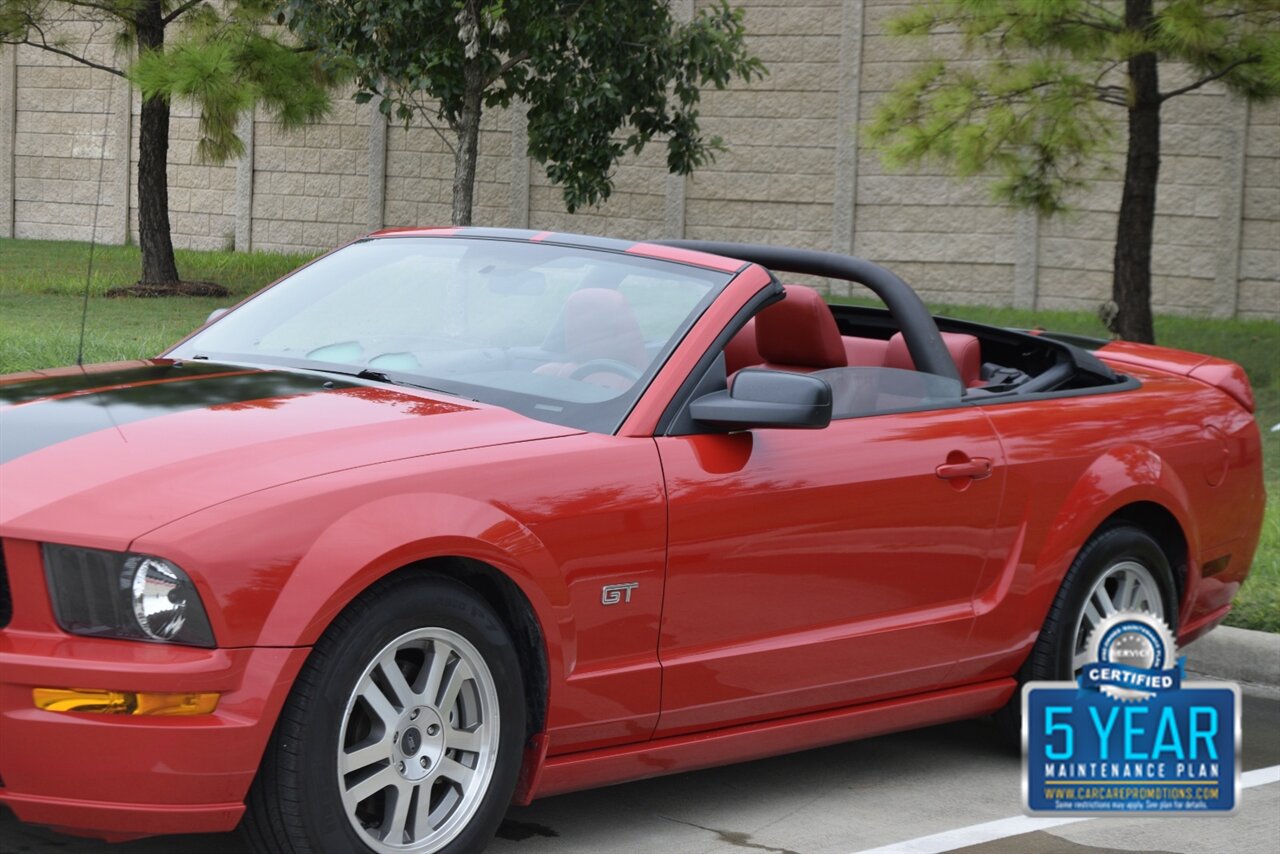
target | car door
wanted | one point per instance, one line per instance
(813, 569)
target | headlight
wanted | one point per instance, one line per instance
(112, 594)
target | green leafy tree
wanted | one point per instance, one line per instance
(225, 58)
(601, 77)
(1055, 78)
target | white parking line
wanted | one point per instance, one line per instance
(1260, 777)
(976, 834)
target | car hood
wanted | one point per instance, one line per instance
(99, 455)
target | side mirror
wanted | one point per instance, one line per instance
(215, 314)
(763, 398)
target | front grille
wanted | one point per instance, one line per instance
(6, 601)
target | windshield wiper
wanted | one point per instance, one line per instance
(363, 374)
(380, 377)
(374, 376)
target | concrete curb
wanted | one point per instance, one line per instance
(1239, 655)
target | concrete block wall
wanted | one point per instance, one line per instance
(1258, 290)
(65, 143)
(947, 237)
(635, 209)
(795, 173)
(310, 185)
(1197, 214)
(419, 172)
(774, 182)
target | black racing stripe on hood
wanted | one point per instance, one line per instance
(25, 391)
(25, 429)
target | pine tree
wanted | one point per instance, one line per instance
(224, 58)
(1055, 79)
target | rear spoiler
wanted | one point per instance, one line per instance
(1224, 375)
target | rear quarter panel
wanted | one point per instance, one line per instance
(1075, 461)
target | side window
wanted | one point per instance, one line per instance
(862, 391)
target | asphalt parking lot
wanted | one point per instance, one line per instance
(947, 788)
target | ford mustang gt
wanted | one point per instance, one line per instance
(454, 518)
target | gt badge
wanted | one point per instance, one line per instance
(612, 594)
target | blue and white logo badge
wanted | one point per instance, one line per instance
(1130, 735)
(1134, 657)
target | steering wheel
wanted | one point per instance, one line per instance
(611, 366)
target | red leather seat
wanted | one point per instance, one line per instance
(965, 351)
(865, 352)
(598, 323)
(799, 333)
(741, 351)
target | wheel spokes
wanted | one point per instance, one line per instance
(427, 685)
(379, 706)
(1104, 602)
(455, 772)
(419, 822)
(468, 741)
(1126, 590)
(423, 730)
(401, 693)
(365, 755)
(1092, 617)
(1126, 586)
(454, 679)
(372, 785)
(395, 826)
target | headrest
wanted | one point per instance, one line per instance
(741, 350)
(599, 324)
(800, 332)
(965, 351)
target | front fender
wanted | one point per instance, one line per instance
(277, 566)
(561, 518)
(377, 538)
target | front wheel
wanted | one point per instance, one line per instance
(402, 734)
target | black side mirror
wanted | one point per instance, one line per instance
(763, 398)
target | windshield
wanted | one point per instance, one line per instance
(561, 334)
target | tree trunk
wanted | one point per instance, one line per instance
(1135, 229)
(158, 265)
(464, 156)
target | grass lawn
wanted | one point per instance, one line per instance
(42, 287)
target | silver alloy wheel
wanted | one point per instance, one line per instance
(419, 742)
(1124, 586)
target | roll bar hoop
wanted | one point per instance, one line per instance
(924, 342)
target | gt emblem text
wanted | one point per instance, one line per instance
(612, 594)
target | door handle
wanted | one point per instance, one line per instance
(976, 468)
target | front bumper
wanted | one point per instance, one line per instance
(117, 776)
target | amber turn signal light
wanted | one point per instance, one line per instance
(123, 702)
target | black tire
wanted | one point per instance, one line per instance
(1051, 656)
(294, 805)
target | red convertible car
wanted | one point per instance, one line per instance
(454, 518)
